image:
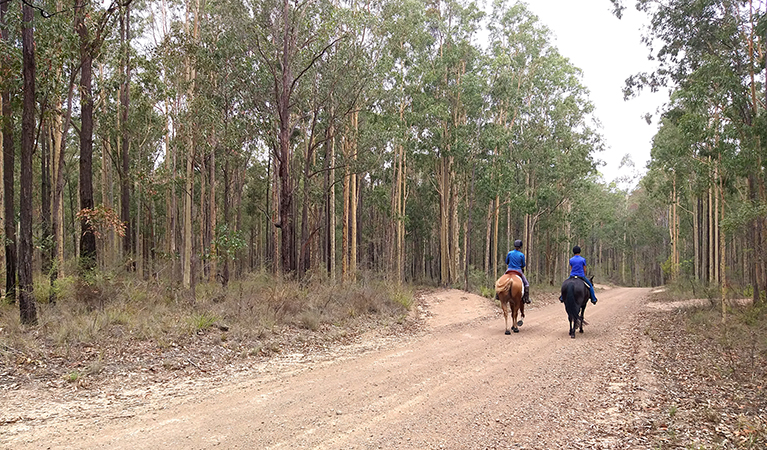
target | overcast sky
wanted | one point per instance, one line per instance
(608, 50)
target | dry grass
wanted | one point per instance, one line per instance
(114, 323)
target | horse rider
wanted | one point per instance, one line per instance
(515, 260)
(578, 270)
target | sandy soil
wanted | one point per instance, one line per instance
(459, 384)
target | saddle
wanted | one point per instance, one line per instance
(582, 279)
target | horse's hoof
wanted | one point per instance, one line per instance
(580, 331)
(519, 323)
(507, 332)
(516, 330)
(572, 336)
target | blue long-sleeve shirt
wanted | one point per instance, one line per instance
(515, 260)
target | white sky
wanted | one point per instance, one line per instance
(608, 51)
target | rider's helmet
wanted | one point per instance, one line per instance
(576, 250)
(518, 243)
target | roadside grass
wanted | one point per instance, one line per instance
(715, 372)
(114, 322)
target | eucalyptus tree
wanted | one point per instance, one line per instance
(446, 101)
(27, 307)
(92, 25)
(517, 51)
(406, 43)
(709, 51)
(292, 40)
(546, 131)
(125, 141)
(9, 152)
(57, 51)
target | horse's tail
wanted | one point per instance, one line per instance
(503, 284)
(571, 306)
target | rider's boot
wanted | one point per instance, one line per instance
(526, 296)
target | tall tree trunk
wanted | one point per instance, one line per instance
(710, 226)
(57, 208)
(353, 201)
(496, 232)
(275, 212)
(45, 197)
(455, 250)
(467, 250)
(27, 308)
(205, 218)
(444, 191)
(227, 195)
(87, 235)
(696, 238)
(171, 215)
(284, 155)
(212, 213)
(9, 161)
(722, 252)
(125, 183)
(488, 233)
(304, 260)
(188, 200)
(138, 231)
(331, 200)
(191, 76)
(345, 213)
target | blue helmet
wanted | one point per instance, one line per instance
(518, 243)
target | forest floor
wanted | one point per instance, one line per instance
(447, 378)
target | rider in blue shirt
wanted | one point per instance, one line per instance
(578, 269)
(515, 260)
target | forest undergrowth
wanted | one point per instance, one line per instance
(115, 325)
(712, 375)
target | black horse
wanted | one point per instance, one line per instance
(575, 294)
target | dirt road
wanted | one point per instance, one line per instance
(461, 384)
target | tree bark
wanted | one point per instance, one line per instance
(488, 233)
(467, 250)
(345, 213)
(353, 201)
(9, 161)
(26, 298)
(87, 236)
(331, 200)
(57, 208)
(45, 198)
(125, 183)
(190, 147)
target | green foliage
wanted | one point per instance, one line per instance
(202, 321)
(73, 377)
(228, 242)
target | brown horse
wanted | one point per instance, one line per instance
(509, 289)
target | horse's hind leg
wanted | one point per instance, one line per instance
(514, 312)
(505, 308)
(522, 311)
(583, 310)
